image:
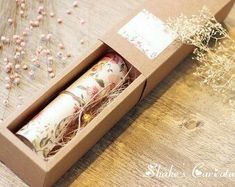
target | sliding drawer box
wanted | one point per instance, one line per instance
(41, 173)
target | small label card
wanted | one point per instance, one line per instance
(148, 33)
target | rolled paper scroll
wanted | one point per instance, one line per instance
(42, 131)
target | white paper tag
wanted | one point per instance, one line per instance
(148, 33)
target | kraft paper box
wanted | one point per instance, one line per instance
(142, 41)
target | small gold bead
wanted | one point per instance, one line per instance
(86, 118)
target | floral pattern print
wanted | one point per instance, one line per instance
(46, 127)
(92, 91)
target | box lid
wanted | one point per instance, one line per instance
(142, 39)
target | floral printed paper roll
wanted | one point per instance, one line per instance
(45, 127)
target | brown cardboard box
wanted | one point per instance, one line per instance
(39, 173)
(155, 70)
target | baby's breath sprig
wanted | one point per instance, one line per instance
(215, 50)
